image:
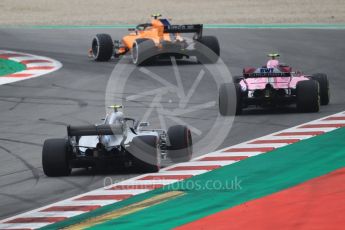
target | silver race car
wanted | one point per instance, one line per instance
(119, 142)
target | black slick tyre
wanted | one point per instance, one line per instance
(102, 47)
(226, 100)
(146, 153)
(308, 98)
(143, 51)
(55, 158)
(204, 46)
(181, 144)
(322, 79)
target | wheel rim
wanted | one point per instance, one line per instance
(158, 165)
(328, 93)
(189, 144)
(135, 53)
(95, 48)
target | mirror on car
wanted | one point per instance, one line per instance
(144, 124)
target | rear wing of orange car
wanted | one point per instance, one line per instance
(191, 28)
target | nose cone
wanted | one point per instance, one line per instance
(272, 64)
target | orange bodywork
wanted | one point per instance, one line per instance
(155, 32)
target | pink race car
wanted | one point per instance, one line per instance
(273, 85)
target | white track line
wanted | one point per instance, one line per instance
(23, 225)
(137, 185)
(55, 214)
(118, 192)
(199, 163)
(228, 154)
(182, 172)
(84, 202)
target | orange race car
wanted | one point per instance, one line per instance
(156, 40)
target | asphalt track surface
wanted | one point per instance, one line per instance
(40, 108)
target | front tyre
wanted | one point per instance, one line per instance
(55, 158)
(102, 47)
(181, 144)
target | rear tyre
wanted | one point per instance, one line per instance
(239, 106)
(102, 47)
(145, 150)
(204, 55)
(226, 101)
(55, 158)
(181, 144)
(322, 79)
(142, 51)
(308, 98)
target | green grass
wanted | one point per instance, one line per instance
(8, 67)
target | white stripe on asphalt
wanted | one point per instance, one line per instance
(200, 163)
(55, 214)
(145, 182)
(23, 225)
(84, 202)
(40, 64)
(177, 173)
(117, 192)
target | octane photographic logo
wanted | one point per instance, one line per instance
(174, 90)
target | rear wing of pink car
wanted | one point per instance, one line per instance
(266, 72)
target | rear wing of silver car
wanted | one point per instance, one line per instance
(94, 130)
(188, 28)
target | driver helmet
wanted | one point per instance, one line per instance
(273, 62)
